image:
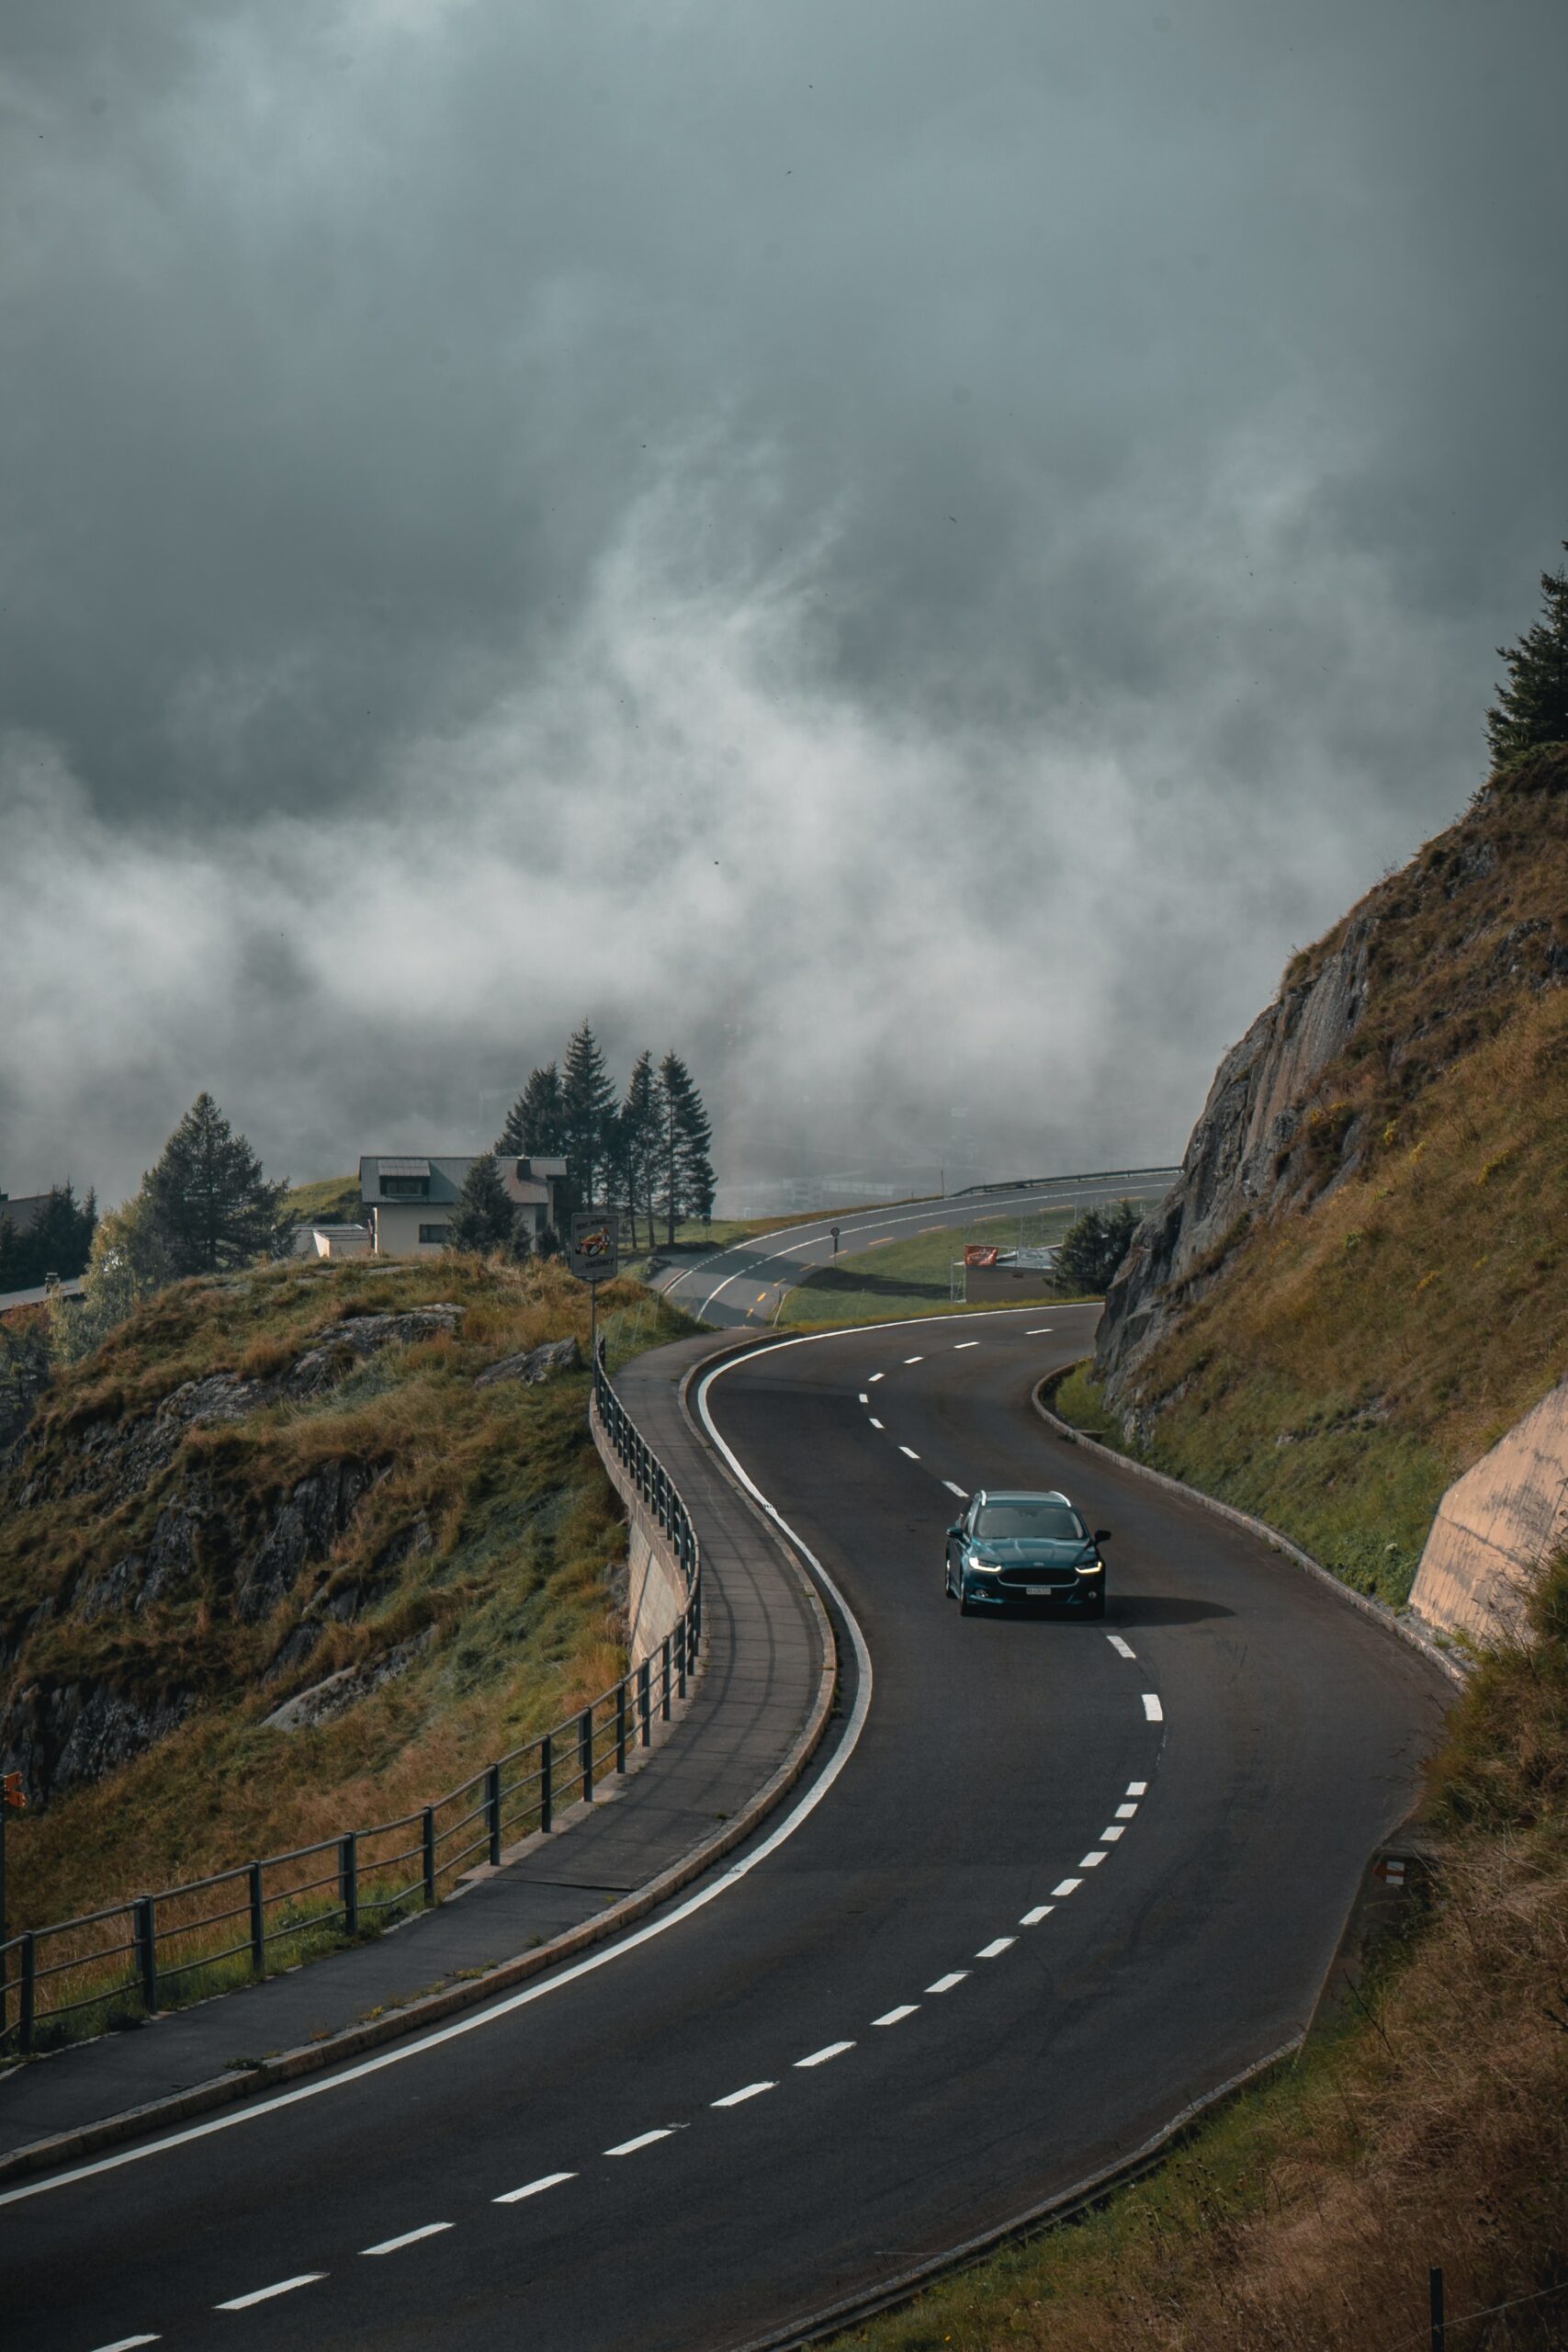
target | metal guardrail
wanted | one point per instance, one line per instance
(1084, 1176)
(119, 1961)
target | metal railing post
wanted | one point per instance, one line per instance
(493, 1810)
(645, 1702)
(427, 1843)
(147, 1950)
(348, 1881)
(585, 1750)
(28, 2008)
(546, 1792)
(664, 1680)
(620, 1726)
(679, 1657)
(258, 1922)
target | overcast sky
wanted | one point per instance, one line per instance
(912, 552)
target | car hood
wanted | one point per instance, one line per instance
(1020, 1552)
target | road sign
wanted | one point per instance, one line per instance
(595, 1244)
(13, 1793)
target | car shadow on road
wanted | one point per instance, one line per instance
(1161, 1609)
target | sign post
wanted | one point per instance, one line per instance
(596, 1259)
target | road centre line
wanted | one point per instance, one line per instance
(1108, 1837)
(1125, 1812)
(410, 2238)
(1152, 1708)
(1092, 1860)
(962, 1492)
(995, 1949)
(1039, 1332)
(820, 2057)
(1137, 1788)
(266, 2294)
(863, 1397)
(1122, 1648)
(1067, 1886)
(128, 2343)
(872, 1420)
(960, 1345)
(896, 2017)
(910, 1452)
(1041, 1911)
(534, 2187)
(872, 1378)
(945, 1984)
(643, 2140)
(739, 2098)
(914, 1359)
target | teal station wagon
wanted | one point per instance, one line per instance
(1025, 1550)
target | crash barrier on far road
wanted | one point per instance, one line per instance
(1084, 1176)
(116, 1966)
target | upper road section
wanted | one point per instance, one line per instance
(745, 1285)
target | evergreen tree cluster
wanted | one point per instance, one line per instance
(1093, 1248)
(648, 1153)
(56, 1242)
(1533, 705)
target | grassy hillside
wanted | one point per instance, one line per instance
(331, 1200)
(197, 1554)
(1360, 1349)
(1431, 2125)
(908, 1276)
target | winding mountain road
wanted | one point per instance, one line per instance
(1045, 1884)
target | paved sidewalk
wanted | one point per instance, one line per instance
(761, 1677)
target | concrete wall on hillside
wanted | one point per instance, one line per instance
(1498, 1526)
(657, 1592)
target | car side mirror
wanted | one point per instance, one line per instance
(957, 1529)
(1103, 1535)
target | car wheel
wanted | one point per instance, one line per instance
(967, 1608)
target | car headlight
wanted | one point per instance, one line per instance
(986, 1567)
(1091, 1567)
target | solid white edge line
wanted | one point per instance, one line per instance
(945, 1984)
(1041, 1911)
(820, 2057)
(641, 2140)
(739, 2098)
(995, 1949)
(896, 2017)
(128, 2343)
(1152, 1708)
(533, 2188)
(266, 2294)
(1067, 1886)
(478, 2018)
(410, 2238)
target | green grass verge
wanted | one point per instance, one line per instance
(897, 1279)
(331, 1200)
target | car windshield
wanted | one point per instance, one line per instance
(1031, 1523)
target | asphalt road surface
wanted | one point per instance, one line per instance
(747, 1284)
(1057, 1880)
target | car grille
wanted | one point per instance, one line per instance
(1020, 1579)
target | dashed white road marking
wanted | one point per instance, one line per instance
(1092, 1861)
(643, 2140)
(874, 1377)
(128, 2343)
(1039, 1332)
(863, 1397)
(959, 1345)
(533, 2188)
(995, 1949)
(1108, 1837)
(739, 2098)
(820, 2057)
(914, 1359)
(1122, 1648)
(1152, 1708)
(1137, 1788)
(1041, 1911)
(410, 2238)
(896, 2017)
(910, 1452)
(945, 1984)
(1067, 1887)
(962, 1492)
(266, 2294)
(874, 1422)
(1125, 1812)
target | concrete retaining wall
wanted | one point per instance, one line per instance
(1498, 1526)
(657, 1594)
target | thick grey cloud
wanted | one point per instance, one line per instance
(915, 549)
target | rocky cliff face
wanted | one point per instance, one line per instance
(1429, 964)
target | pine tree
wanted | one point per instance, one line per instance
(1091, 1250)
(683, 1172)
(637, 1142)
(209, 1201)
(1532, 707)
(486, 1217)
(56, 1242)
(535, 1123)
(588, 1113)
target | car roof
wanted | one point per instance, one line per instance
(1023, 1494)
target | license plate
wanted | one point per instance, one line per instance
(1038, 1591)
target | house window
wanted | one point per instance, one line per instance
(405, 1188)
(435, 1233)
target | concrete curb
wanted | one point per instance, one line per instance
(318, 2057)
(1378, 1611)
